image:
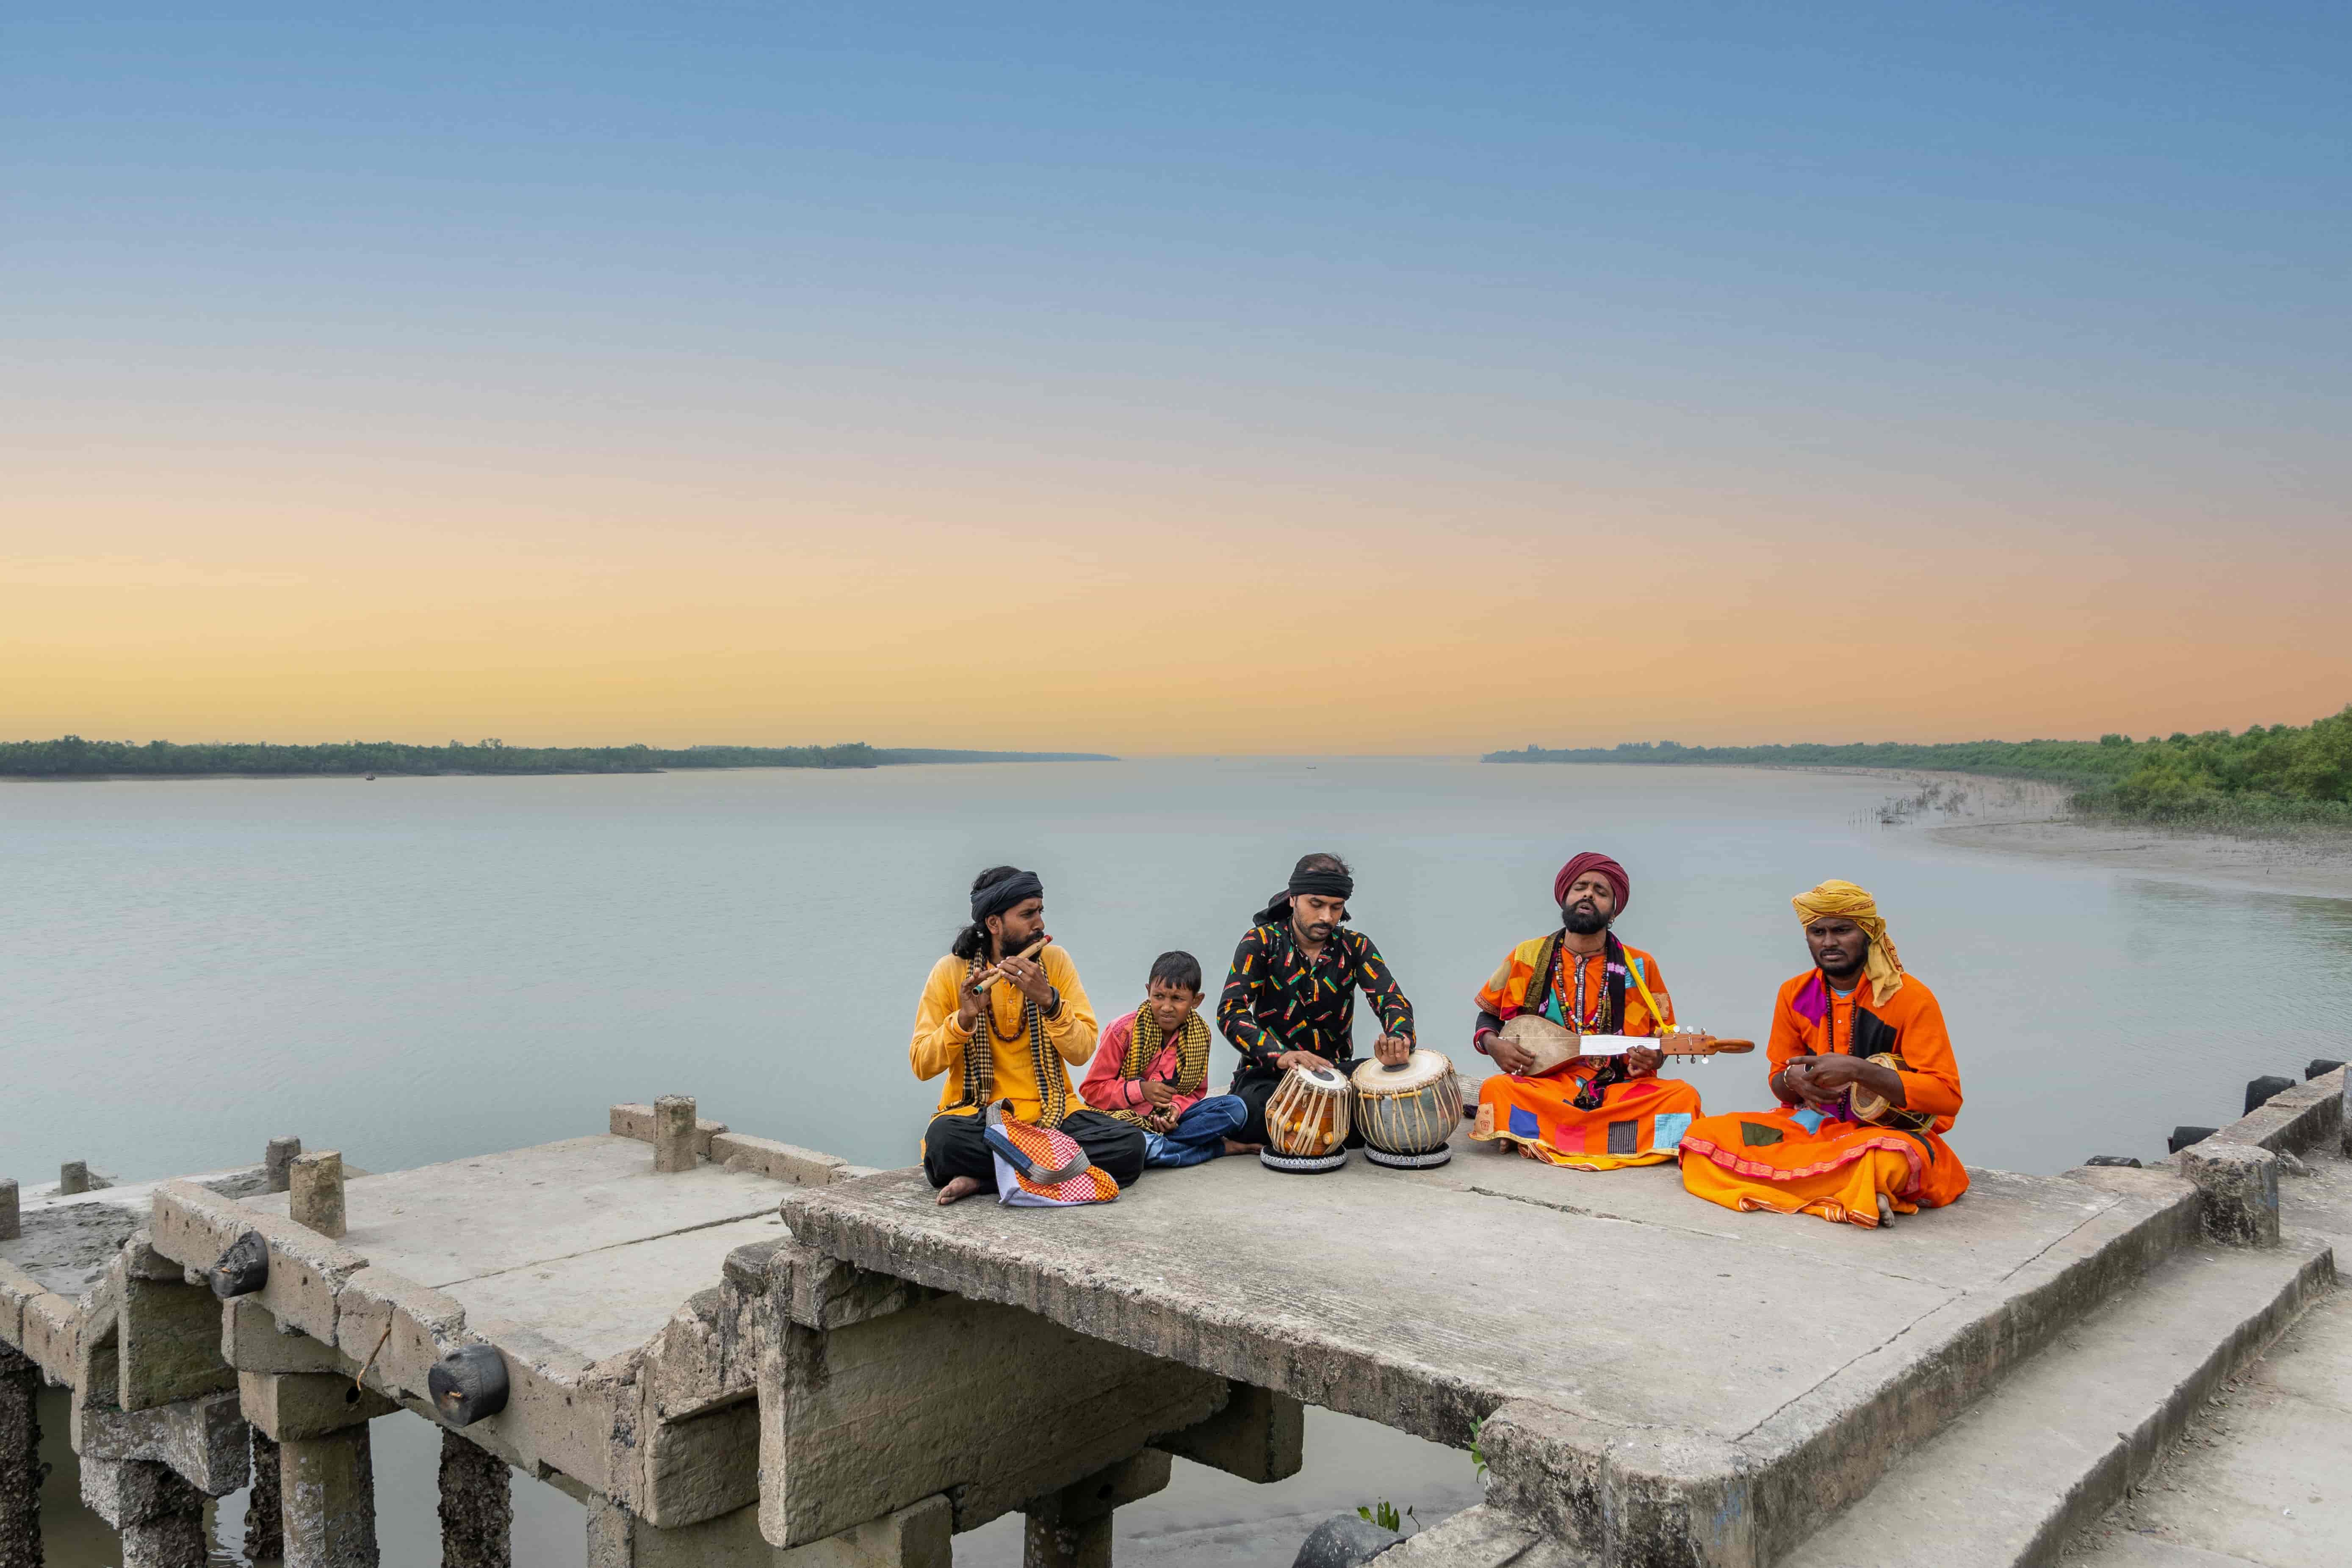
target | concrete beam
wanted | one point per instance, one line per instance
(251, 1341)
(170, 1341)
(292, 1406)
(20, 1460)
(202, 1440)
(477, 1506)
(918, 1536)
(949, 1395)
(1259, 1435)
(396, 1329)
(327, 1485)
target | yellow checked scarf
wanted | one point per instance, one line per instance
(1846, 901)
(1143, 1046)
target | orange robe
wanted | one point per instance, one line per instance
(1798, 1159)
(1637, 1122)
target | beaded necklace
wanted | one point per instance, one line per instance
(1579, 1020)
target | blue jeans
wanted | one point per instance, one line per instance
(1199, 1134)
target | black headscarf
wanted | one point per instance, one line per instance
(998, 897)
(1323, 880)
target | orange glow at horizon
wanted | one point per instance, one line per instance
(1063, 609)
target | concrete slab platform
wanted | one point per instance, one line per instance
(68, 1241)
(1427, 1300)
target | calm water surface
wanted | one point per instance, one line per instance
(416, 968)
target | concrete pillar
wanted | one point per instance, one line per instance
(315, 1187)
(265, 1513)
(20, 1459)
(674, 1132)
(1072, 1528)
(477, 1506)
(73, 1176)
(2238, 1184)
(278, 1159)
(326, 1486)
(12, 1224)
(160, 1515)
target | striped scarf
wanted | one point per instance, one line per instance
(980, 1060)
(1143, 1049)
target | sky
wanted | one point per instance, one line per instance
(1174, 379)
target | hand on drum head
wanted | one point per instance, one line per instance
(1306, 1060)
(1393, 1050)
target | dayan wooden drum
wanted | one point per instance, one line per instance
(1407, 1112)
(1306, 1121)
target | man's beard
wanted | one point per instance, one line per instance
(1584, 918)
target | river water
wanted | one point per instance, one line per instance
(410, 969)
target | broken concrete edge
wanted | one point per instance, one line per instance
(638, 1122)
(205, 1440)
(779, 1161)
(1268, 1352)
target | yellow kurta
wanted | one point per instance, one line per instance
(939, 1045)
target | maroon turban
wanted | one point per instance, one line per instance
(1588, 861)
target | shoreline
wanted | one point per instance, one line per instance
(1980, 813)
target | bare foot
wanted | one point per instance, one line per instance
(956, 1191)
(1234, 1148)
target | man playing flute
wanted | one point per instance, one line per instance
(1863, 1068)
(1594, 1113)
(1004, 1025)
(1290, 997)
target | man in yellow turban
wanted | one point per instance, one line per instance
(1861, 1065)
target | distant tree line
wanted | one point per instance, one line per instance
(73, 757)
(2283, 773)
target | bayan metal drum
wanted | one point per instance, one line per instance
(1306, 1121)
(1406, 1112)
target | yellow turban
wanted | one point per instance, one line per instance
(1847, 902)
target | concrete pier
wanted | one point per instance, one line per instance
(734, 1352)
(477, 1506)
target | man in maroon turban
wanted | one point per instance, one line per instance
(1597, 1113)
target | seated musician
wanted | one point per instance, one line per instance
(1594, 1113)
(1290, 997)
(1001, 1027)
(1152, 1071)
(1850, 1033)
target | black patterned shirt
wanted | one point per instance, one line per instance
(1275, 1000)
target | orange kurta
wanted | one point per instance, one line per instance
(1795, 1159)
(1637, 1122)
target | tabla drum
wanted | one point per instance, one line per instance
(1306, 1121)
(1407, 1112)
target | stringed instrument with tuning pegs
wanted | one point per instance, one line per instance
(1554, 1046)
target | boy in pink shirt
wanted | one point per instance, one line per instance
(1151, 1069)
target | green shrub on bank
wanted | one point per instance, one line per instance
(2283, 774)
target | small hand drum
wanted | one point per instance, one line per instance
(1407, 1112)
(1306, 1121)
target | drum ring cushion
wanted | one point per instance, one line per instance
(1430, 1161)
(1307, 1164)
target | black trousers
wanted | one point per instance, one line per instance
(1255, 1092)
(958, 1146)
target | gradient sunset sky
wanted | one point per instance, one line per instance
(1290, 378)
